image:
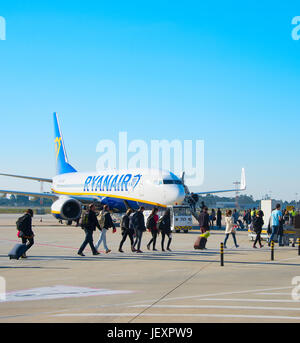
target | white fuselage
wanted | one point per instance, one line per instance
(154, 187)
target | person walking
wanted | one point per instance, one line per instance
(127, 231)
(24, 225)
(164, 227)
(152, 226)
(213, 217)
(258, 223)
(280, 231)
(204, 220)
(202, 206)
(230, 228)
(219, 218)
(106, 223)
(248, 218)
(276, 217)
(253, 213)
(89, 223)
(138, 223)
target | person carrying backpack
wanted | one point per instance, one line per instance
(164, 226)
(138, 224)
(106, 223)
(89, 222)
(24, 227)
(127, 231)
(152, 226)
(258, 223)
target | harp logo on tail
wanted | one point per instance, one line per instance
(57, 146)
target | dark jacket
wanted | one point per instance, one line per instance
(27, 225)
(108, 222)
(138, 221)
(258, 223)
(204, 220)
(92, 222)
(165, 224)
(125, 223)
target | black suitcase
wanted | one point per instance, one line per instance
(200, 243)
(17, 252)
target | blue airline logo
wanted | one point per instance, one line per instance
(118, 183)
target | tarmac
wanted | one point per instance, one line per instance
(55, 285)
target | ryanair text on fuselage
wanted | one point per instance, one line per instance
(117, 183)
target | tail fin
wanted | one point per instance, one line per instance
(62, 164)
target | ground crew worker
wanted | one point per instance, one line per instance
(253, 213)
(293, 213)
(89, 227)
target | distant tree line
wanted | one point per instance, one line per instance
(211, 201)
(24, 201)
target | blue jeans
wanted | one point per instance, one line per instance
(274, 232)
(102, 239)
(88, 240)
(234, 239)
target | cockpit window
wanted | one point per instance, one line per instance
(172, 182)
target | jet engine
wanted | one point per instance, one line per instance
(67, 209)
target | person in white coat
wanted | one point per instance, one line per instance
(230, 228)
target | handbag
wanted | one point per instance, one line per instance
(20, 234)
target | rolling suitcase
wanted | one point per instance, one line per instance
(200, 243)
(17, 251)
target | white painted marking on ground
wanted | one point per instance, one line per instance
(252, 300)
(174, 315)
(59, 292)
(220, 307)
(275, 293)
(201, 296)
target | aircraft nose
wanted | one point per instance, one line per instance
(175, 195)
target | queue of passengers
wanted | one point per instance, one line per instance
(133, 227)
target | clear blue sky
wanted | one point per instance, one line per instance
(225, 72)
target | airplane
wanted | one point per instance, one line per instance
(119, 189)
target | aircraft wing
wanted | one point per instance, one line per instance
(53, 196)
(30, 194)
(243, 187)
(40, 179)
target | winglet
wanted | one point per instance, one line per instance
(243, 186)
